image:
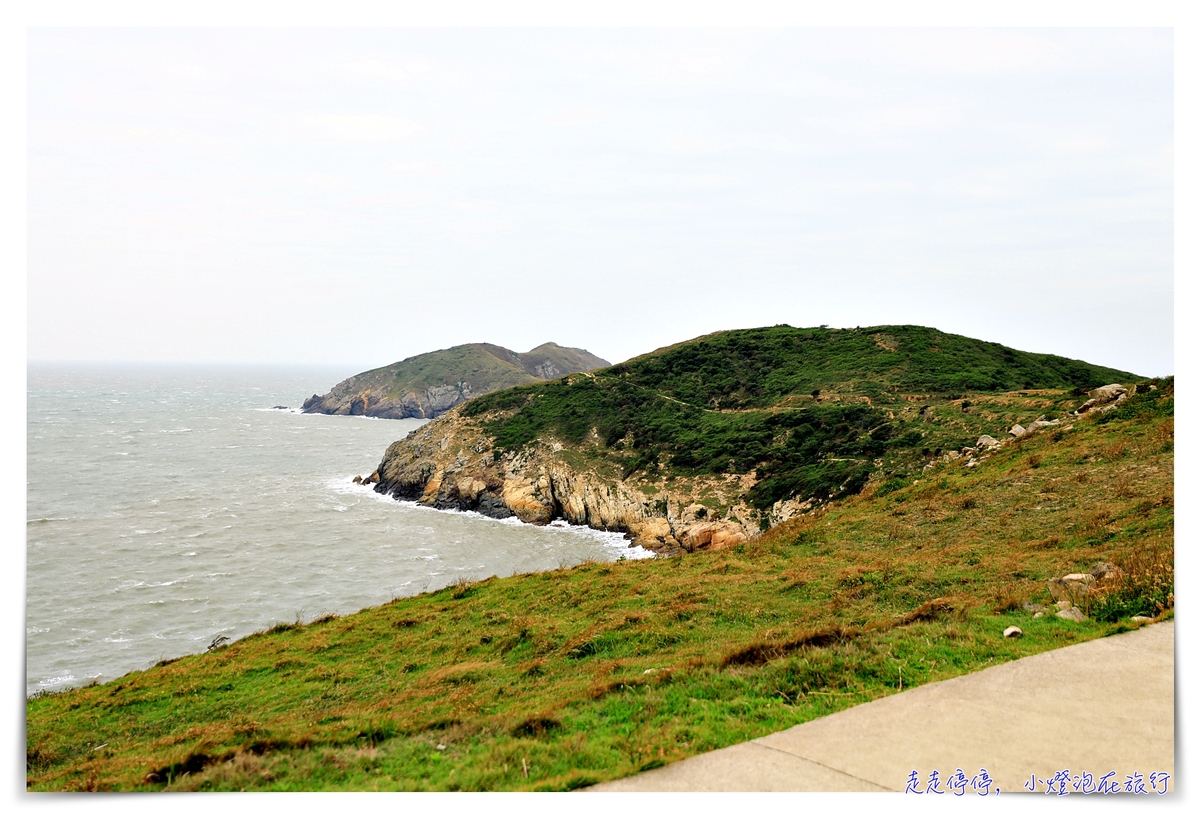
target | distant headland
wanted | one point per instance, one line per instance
(430, 384)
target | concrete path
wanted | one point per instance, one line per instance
(1103, 705)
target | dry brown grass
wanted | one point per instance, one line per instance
(1114, 451)
(245, 771)
(1145, 580)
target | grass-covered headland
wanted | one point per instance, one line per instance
(562, 679)
(812, 412)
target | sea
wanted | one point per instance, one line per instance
(170, 506)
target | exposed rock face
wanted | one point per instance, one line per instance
(1020, 431)
(1071, 588)
(428, 403)
(449, 464)
(786, 509)
(1103, 398)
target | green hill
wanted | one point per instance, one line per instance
(430, 384)
(812, 413)
(755, 368)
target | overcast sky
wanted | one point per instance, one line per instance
(355, 197)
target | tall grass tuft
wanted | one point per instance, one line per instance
(1145, 585)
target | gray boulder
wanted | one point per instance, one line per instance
(1072, 587)
(1040, 424)
(1103, 396)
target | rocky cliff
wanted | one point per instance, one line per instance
(451, 464)
(430, 384)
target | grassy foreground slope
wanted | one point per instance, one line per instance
(561, 679)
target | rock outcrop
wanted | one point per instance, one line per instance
(450, 464)
(1103, 398)
(373, 402)
(1072, 590)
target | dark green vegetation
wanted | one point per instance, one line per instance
(756, 368)
(562, 679)
(810, 409)
(427, 385)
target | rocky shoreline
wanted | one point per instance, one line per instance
(449, 464)
(428, 403)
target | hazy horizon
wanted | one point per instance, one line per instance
(355, 368)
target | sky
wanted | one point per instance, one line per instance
(352, 197)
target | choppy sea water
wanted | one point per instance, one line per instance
(167, 506)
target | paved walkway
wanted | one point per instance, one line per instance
(1103, 705)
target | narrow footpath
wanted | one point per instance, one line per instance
(1102, 706)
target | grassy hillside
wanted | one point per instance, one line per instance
(561, 679)
(486, 366)
(814, 412)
